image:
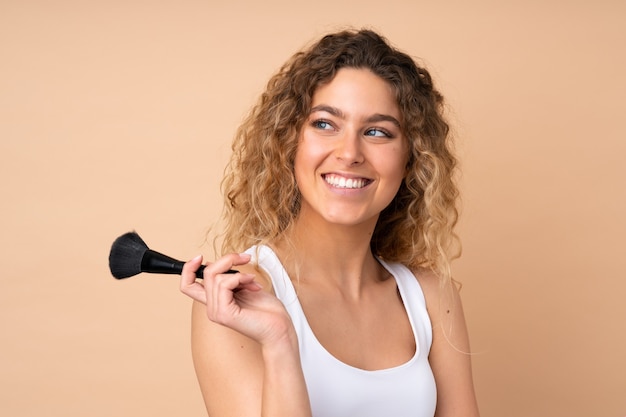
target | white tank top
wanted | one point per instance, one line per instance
(337, 389)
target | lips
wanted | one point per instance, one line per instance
(339, 181)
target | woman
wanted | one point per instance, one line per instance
(341, 189)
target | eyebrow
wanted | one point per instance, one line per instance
(378, 117)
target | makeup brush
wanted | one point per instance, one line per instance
(130, 256)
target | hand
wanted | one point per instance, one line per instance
(236, 300)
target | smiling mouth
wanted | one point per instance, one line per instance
(342, 182)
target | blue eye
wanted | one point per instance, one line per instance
(322, 124)
(377, 133)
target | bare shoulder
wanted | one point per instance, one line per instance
(443, 302)
(441, 298)
(450, 354)
(225, 362)
(229, 365)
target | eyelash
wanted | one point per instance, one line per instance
(383, 131)
(317, 124)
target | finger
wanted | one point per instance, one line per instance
(188, 284)
(250, 286)
(225, 263)
(221, 290)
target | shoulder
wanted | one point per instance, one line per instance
(442, 298)
(225, 362)
(450, 356)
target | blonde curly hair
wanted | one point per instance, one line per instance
(262, 199)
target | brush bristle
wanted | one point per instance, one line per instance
(126, 254)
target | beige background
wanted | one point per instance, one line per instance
(117, 115)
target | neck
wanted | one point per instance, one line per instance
(330, 255)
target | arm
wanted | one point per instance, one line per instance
(450, 354)
(244, 346)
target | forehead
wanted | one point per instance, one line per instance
(358, 91)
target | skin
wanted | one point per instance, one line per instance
(352, 133)
(244, 345)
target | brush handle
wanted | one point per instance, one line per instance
(157, 263)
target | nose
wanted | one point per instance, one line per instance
(349, 148)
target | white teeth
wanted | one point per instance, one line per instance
(341, 182)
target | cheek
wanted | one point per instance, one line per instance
(309, 154)
(397, 163)
(303, 162)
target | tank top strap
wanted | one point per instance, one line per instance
(414, 303)
(265, 257)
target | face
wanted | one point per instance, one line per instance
(351, 155)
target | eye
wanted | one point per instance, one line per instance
(378, 133)
(322, 124)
